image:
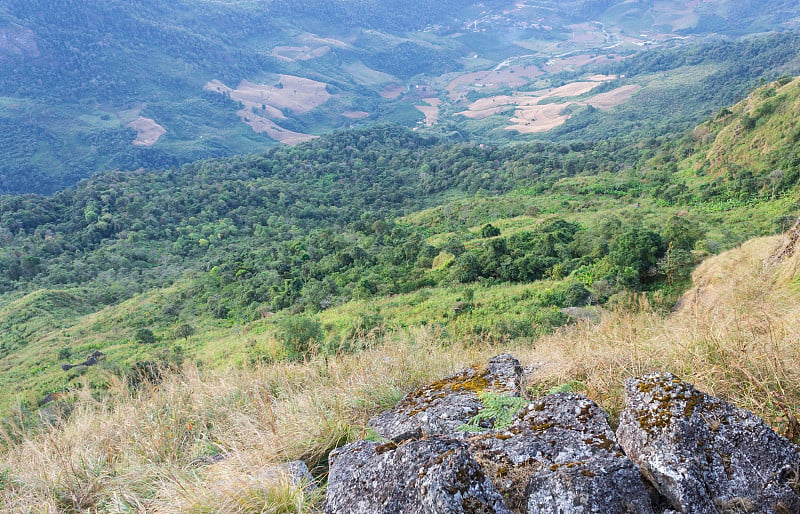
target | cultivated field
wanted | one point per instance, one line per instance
(265, 103)
(430, 110)
(536, 112)
(148, 131)
(507, 76)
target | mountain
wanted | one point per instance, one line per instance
(89, 86)
(366, 230)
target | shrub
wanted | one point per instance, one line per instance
(185, 331)
(576, 295)
(489, 230)
(298, 334)
(144, 336)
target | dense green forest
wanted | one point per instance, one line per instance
(380, 225)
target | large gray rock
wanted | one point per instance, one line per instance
(560, 455)
(431, 476)
(704, 454)
(443, 406)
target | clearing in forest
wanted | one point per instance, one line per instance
(538, 112)
(147, 130)
(507, 76)
(265, 103)
(431, 110)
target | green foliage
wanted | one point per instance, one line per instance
(498, 412)
(299, 335)
(144, 336)
(64, 353)
(185, 331)
(637, 248)
(489, 230)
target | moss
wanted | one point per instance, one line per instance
(383, 448)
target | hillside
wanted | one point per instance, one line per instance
(215, 433)
(96, 86)
(317, 248)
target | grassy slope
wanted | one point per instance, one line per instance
(62, 320)
(733, 336)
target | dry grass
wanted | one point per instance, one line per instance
(733, 335)
(205, 441)
(153, 449)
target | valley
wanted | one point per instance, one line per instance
(232, 232)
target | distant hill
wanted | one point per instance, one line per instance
(89, 86)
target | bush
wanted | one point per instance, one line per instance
(489, 230)
(576, 295)
(144, 336)
(298, 334)
(185, 331)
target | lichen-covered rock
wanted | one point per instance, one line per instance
(560, 455)
(431, 476)
(443, 406)
(704, 454)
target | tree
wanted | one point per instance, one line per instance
(185, 331)
(637, 248)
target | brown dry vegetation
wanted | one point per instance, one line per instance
(533, 116)
(734, 335)
(264, 103)
(509, 76)
(431, 110)
(148, 131)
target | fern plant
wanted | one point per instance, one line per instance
(498, 407)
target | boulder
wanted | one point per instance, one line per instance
(443, 406)
(560, 455)
(431, 476)
(704, 454)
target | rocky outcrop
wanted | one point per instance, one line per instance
(435, 475)
(443, 406)
(470, 444)
(94, 358)
(704, 454)
(560, 455)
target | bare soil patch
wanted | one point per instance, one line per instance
(431, 110)
(586, 33)
(355, 115)
(264, 103)
(614, 97)
(508, 76)
(393, 91)
(533, 116)
(148, 131)
(19, 41)
(299, 53)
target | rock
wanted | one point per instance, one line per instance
(704, 454)
(560, 455)
(432, 476)
(443, 406)
(297, 473)
(93, 358)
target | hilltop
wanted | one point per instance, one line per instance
(214, 433)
